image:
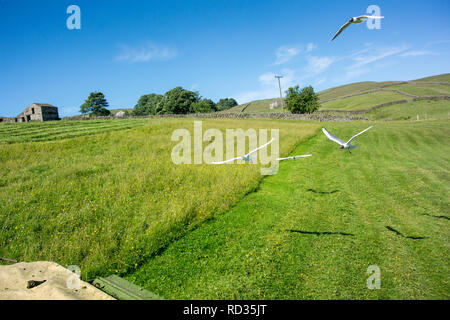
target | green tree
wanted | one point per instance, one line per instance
(302, 101)
(95, 104)
(226, 103)
(203, 106)
(179, 101)
(148, 104)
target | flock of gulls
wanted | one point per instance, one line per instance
(343, 145)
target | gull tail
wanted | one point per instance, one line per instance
(353, 147)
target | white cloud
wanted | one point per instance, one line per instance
(318, 65)
(267, 78)
(145, 53)
(416, 53)
(369, 59)
(432, 43)
(319, 81)
(310, 47)
(269, 86)
(285, 54)
(378, 54)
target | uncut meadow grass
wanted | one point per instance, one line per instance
(108, 201)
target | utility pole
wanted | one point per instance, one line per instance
(279, 85)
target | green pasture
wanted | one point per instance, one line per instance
(108, 201)
(312, 230)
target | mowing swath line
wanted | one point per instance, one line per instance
(59, 133)
(36, 126)
(40, 128)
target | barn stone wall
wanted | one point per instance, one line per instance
(38, 112)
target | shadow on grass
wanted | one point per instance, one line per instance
(430, 215)
(321, 233)
(322, 192)
(402, 235)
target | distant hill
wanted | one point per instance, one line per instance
(361, 96)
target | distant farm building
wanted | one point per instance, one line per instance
(276, 104)
(120, 114)
(38, 112)
(4, 119)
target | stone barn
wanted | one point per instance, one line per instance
(38, 112)
(276, 104)
(5, 119)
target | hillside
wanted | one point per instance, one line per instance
(360, 96)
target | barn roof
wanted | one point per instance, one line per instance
(43, 104)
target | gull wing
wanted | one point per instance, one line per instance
(358, 134)
(341, 29)
(294, 157)
(333, 138)
(369, 17)
(226, 161)
(259, 148)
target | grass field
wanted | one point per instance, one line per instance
(109, 201)
(437, 78)
(362, 102)
(409, 111)
(56, 130)
(423, 89)
(312, 230)
(105, 195)
(352, 88)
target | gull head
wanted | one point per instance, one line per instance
(341, 147)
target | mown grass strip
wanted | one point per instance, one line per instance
(312, 230)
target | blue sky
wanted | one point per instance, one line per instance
(221, 48)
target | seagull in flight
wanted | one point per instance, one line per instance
(357, 20)
(248, 157)
(295, 157)
(343, 144)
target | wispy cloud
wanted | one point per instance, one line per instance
(310, 47)
(145, 53)
(285, 54)
(355, 64)
(375, 54)
(269, 86)
(432, 43)
(416, 53)
(369, 59)
(318, 65)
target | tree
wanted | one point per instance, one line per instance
(203, 106)
(302, 101)
(148, 104)
(179, 101)
(226, 103)
(95, 104)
